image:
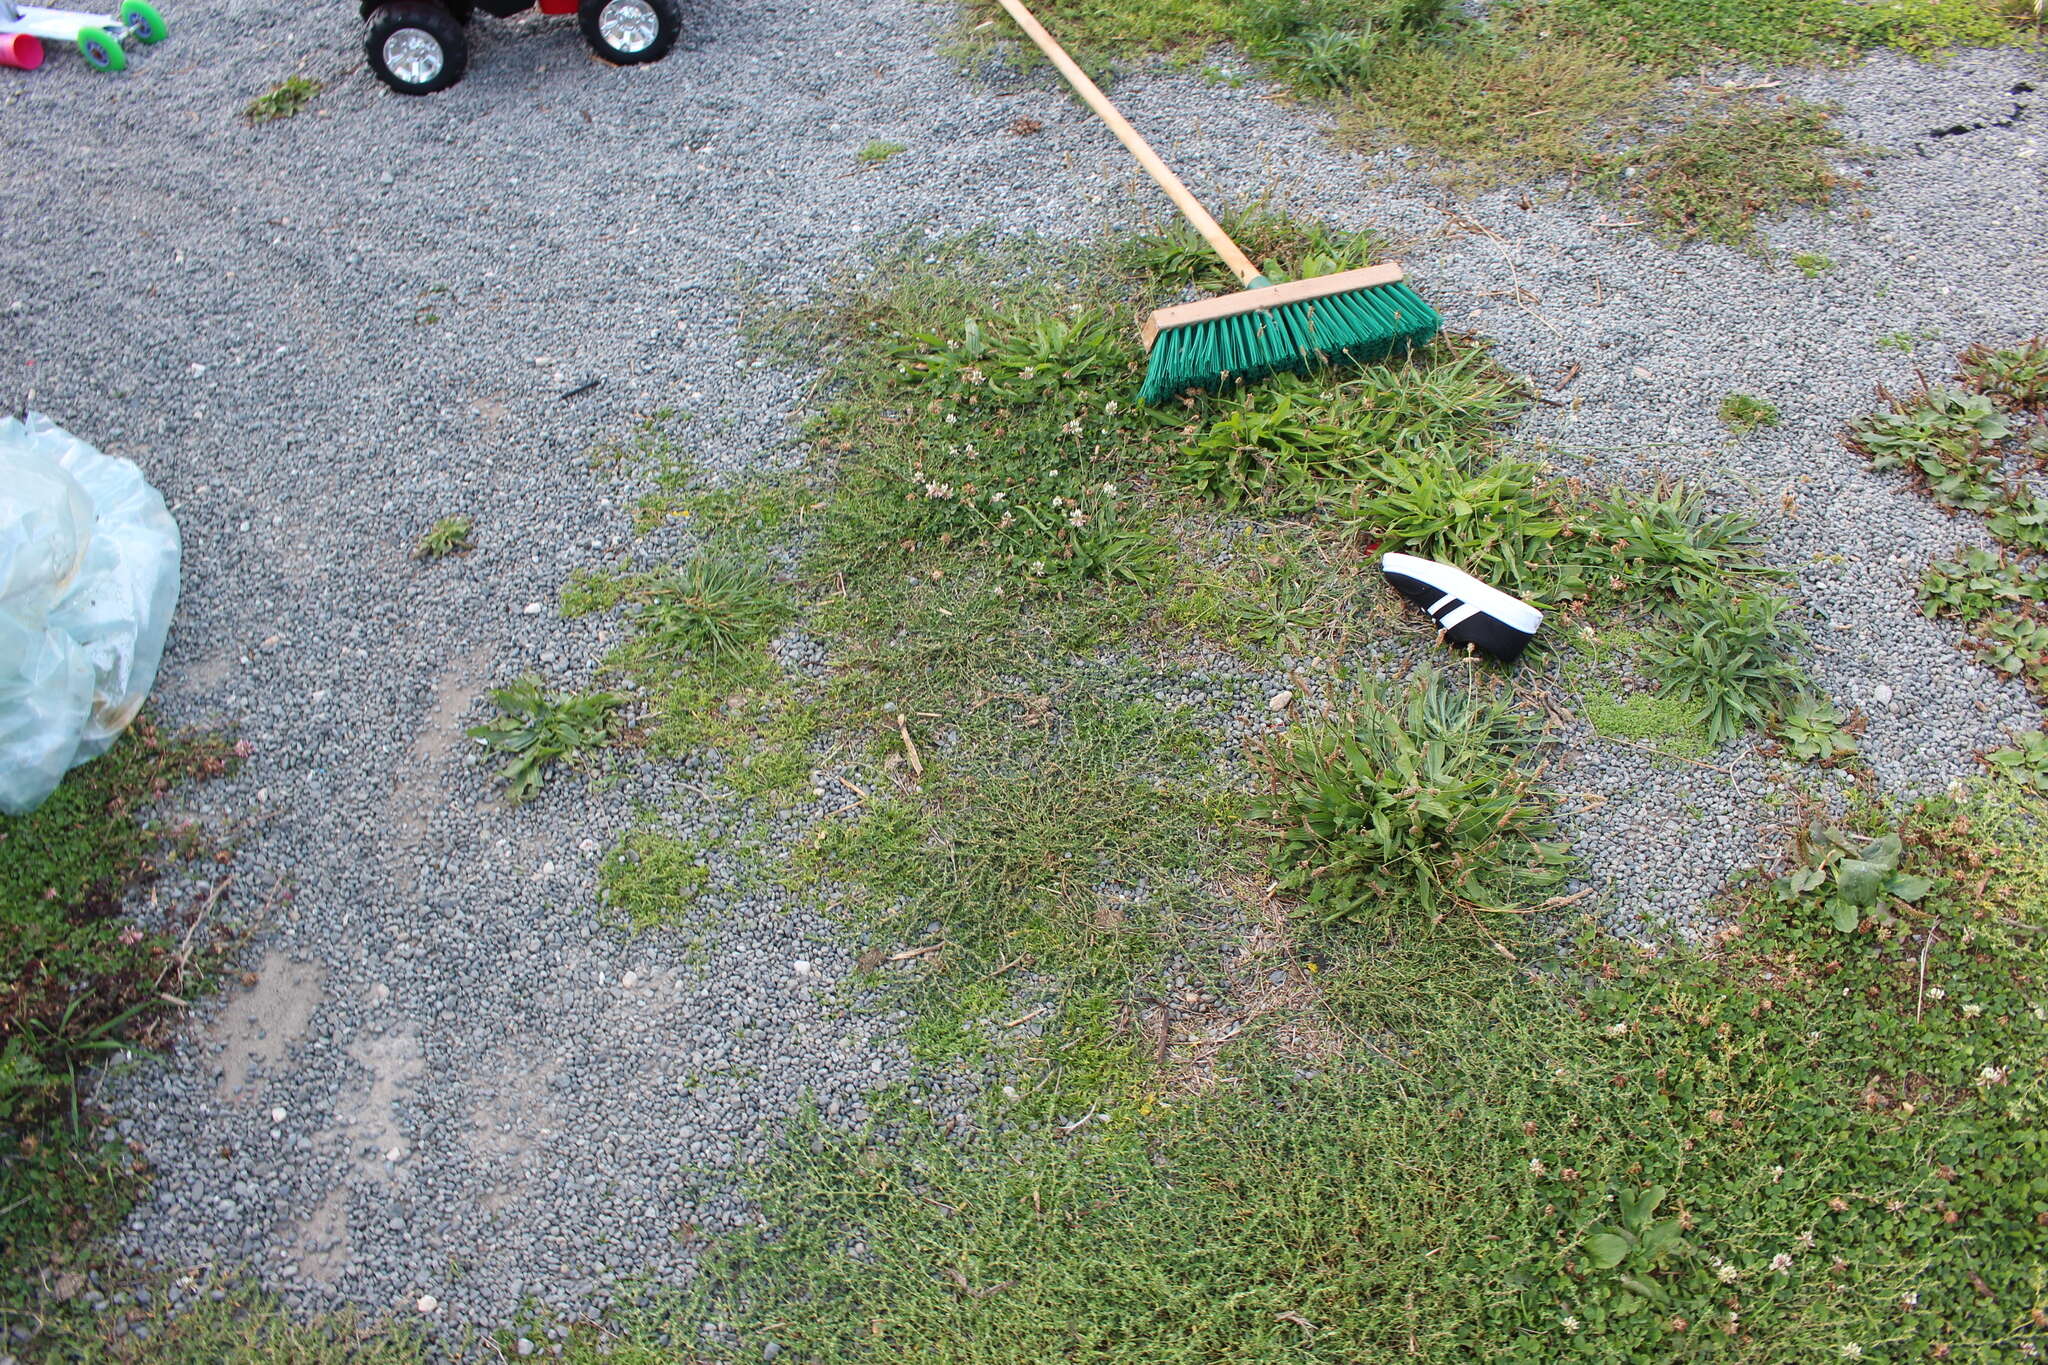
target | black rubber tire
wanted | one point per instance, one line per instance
(668, 15)
(431, 19)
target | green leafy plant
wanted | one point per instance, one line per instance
(1812, 265)
(875, 153)
(1632, 1246)
(1731, 654)
(1812, 731)
(2015, 376)
(1415, 800)
(538, 729)
(1850, 876)
(1978, 581)
(283, 100)
(82, 979)
(2025, 760)
(2021, 519)
(1945, 438)
(1745, 412)
(448, 536)
(2015, 644)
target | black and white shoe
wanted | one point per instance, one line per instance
(1466, 611)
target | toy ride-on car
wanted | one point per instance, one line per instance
(25, 28)
(417, 46)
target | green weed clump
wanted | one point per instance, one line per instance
(1416, 800)
(1731, 655)
(1743, 412)
(286, 99)
(1946, 439)
(1979, 582)
(448, 536)
(2024, 761)
(539, 729)
(2014, 376)
(1715, 175)
(1814, 730)
(711, 607)
(1955, 444)
(1020, 837)
(1289, 442)
(79, 978)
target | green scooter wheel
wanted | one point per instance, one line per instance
(143, 21)
(101, 50)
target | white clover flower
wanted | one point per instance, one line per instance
(1726, 1273)
(1910, 1299)
(952, 419)
(1072, 428)
(1037, 566)
(1077, 518)
(1109, 409)
(1849, 1350)
(998, 496)
(1616, 1030)
(1569, 1323)
(1782, 1262)
(1804, 1241)
(974, 375)
(1991, 1075)
(1936, 993)
(1777, 1174)
(1973, 1011)
(1109, 490)
(1536, 1166)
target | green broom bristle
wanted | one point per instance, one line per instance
(1356, 328)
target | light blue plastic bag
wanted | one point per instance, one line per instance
(88, 582)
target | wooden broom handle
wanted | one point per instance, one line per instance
(1211, 230)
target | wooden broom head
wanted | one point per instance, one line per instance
(1267, 297)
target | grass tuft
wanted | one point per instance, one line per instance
(1413, 801)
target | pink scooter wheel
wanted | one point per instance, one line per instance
(22, 51)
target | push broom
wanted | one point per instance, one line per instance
(1354, 316)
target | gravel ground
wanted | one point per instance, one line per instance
(449, 1079)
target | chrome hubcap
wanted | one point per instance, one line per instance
(629, 25)
(413, 55)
